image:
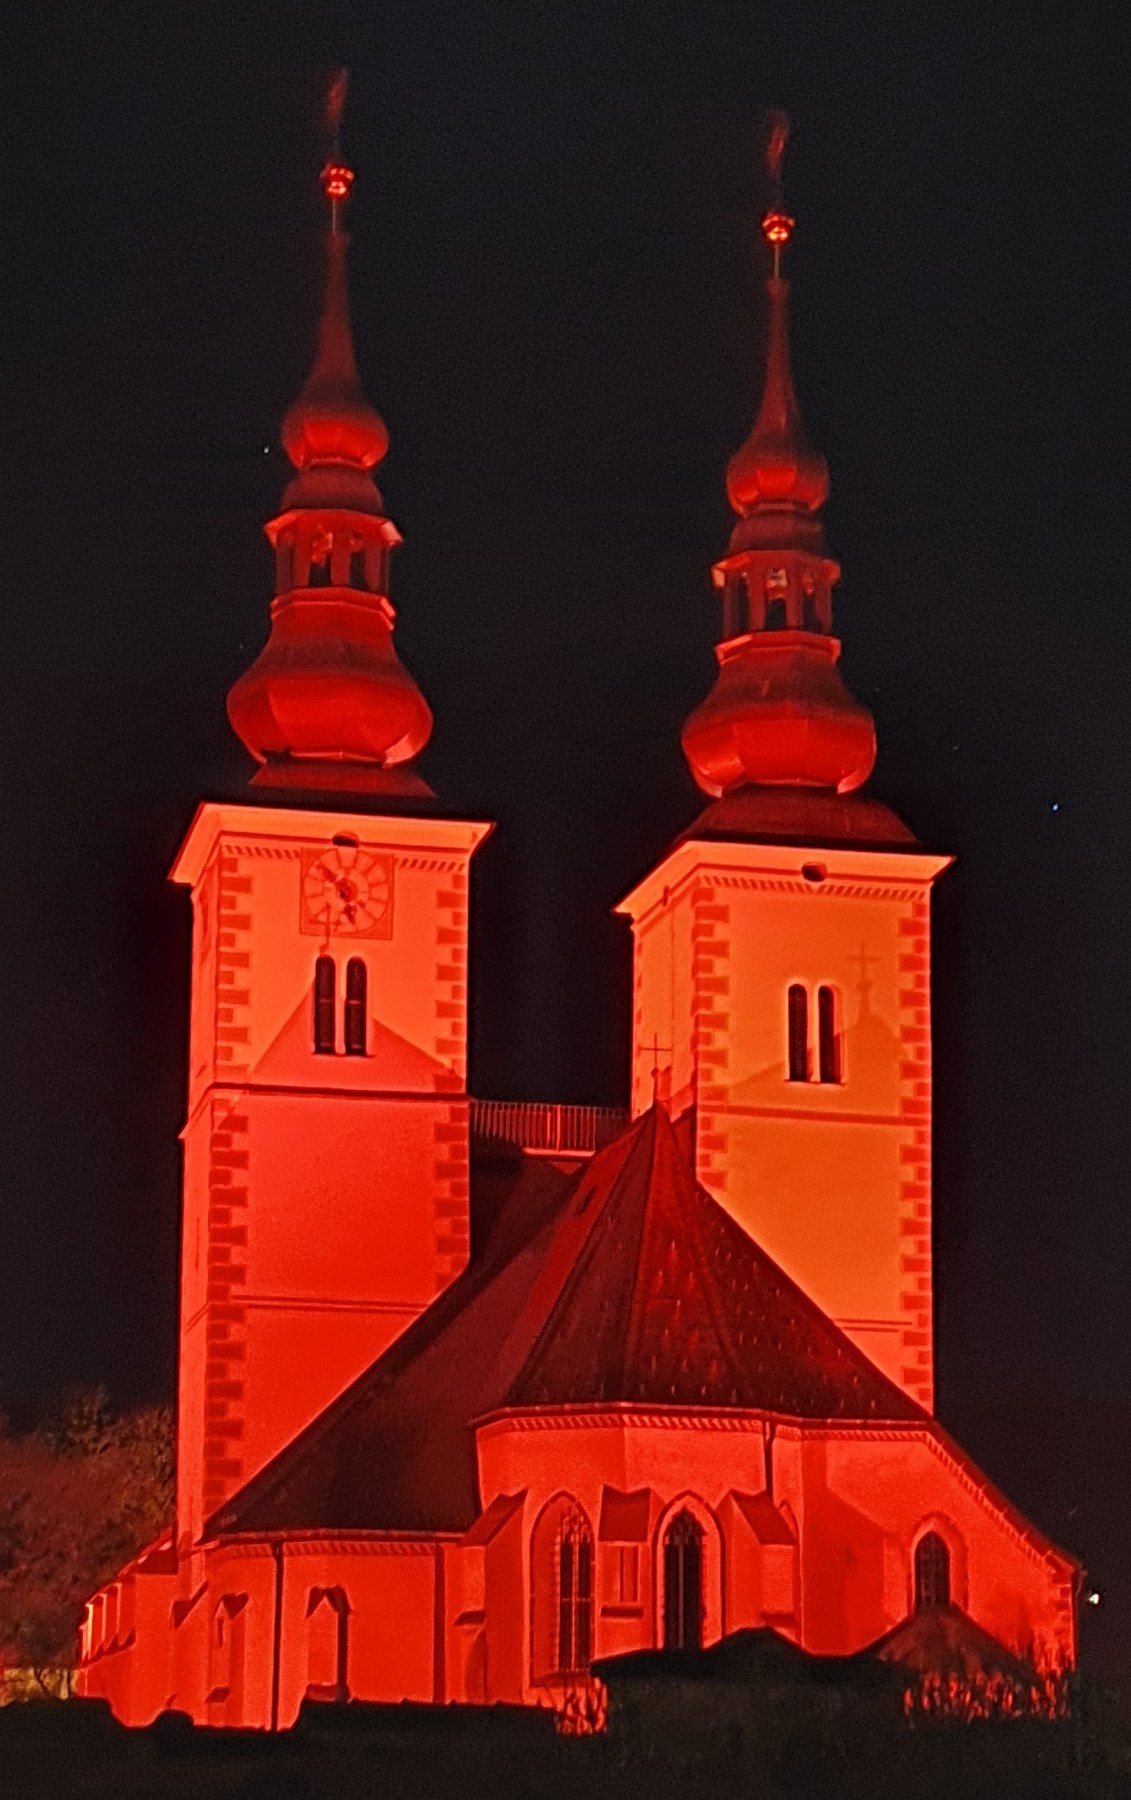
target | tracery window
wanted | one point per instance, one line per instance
(561, 1564)
(683, 1583)
(932, 1573)
(575, 1594)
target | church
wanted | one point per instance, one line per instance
(473, 1394)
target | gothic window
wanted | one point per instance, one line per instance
(828, 1037)
(357, 981)
(561, 1561)
(575, 1594)
(327, 1644)
(797, 1014)
(932, 1573)
(325, 1006)
(683, 1583)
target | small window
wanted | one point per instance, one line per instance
(828, 1037)
(327, 1644)
(797, 1011)
(357, 981)
(628, 1574)
(325, 1006)
(932, 1573)
(734, 606)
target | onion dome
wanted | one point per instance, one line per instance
(779, 714)
(332, 421)
(328, 705)
(776, 466)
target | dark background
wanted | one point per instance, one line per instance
(555, 278)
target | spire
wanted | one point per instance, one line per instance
(332, 421)
(775, 466)
(328, 705)
(779, 714)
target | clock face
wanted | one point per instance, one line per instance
(347, 891)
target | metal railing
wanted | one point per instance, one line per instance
(537, 1126)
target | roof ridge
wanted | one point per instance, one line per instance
(639, 1303)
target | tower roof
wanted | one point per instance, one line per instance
(779, 715)
(328, 706)
(629, 1287)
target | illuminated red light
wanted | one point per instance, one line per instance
(337, 180)
(777, 228)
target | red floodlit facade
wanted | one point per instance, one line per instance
(474, 1395)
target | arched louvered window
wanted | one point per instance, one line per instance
(325, 1006)
(357, 983)
(828, 1037)
(683, 1583)
(932, 1573)
(797, 1014)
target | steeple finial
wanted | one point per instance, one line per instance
(328, 705)
(777, 226)
(332, 422)
(776, 466)
(337, 176)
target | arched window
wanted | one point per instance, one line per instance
(797, 1013)
(932, 1573)
(357, 981)
(325, 1006)
(828, 1038)
(561, 1562)
(327, 1644)
(683, 1583)
(575, 1595)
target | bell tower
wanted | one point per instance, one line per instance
(326, 1149)
(782, 947)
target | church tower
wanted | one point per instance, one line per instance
(782, 948)
(326, 1150)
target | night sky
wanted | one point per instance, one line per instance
(555, 273)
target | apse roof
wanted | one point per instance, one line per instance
(627, 1285)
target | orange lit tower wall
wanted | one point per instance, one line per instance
(325, 1193)
(833, 1175)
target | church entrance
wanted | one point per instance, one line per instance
(683, 1584)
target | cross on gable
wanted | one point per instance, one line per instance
(865, 961)
(655, 1049)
